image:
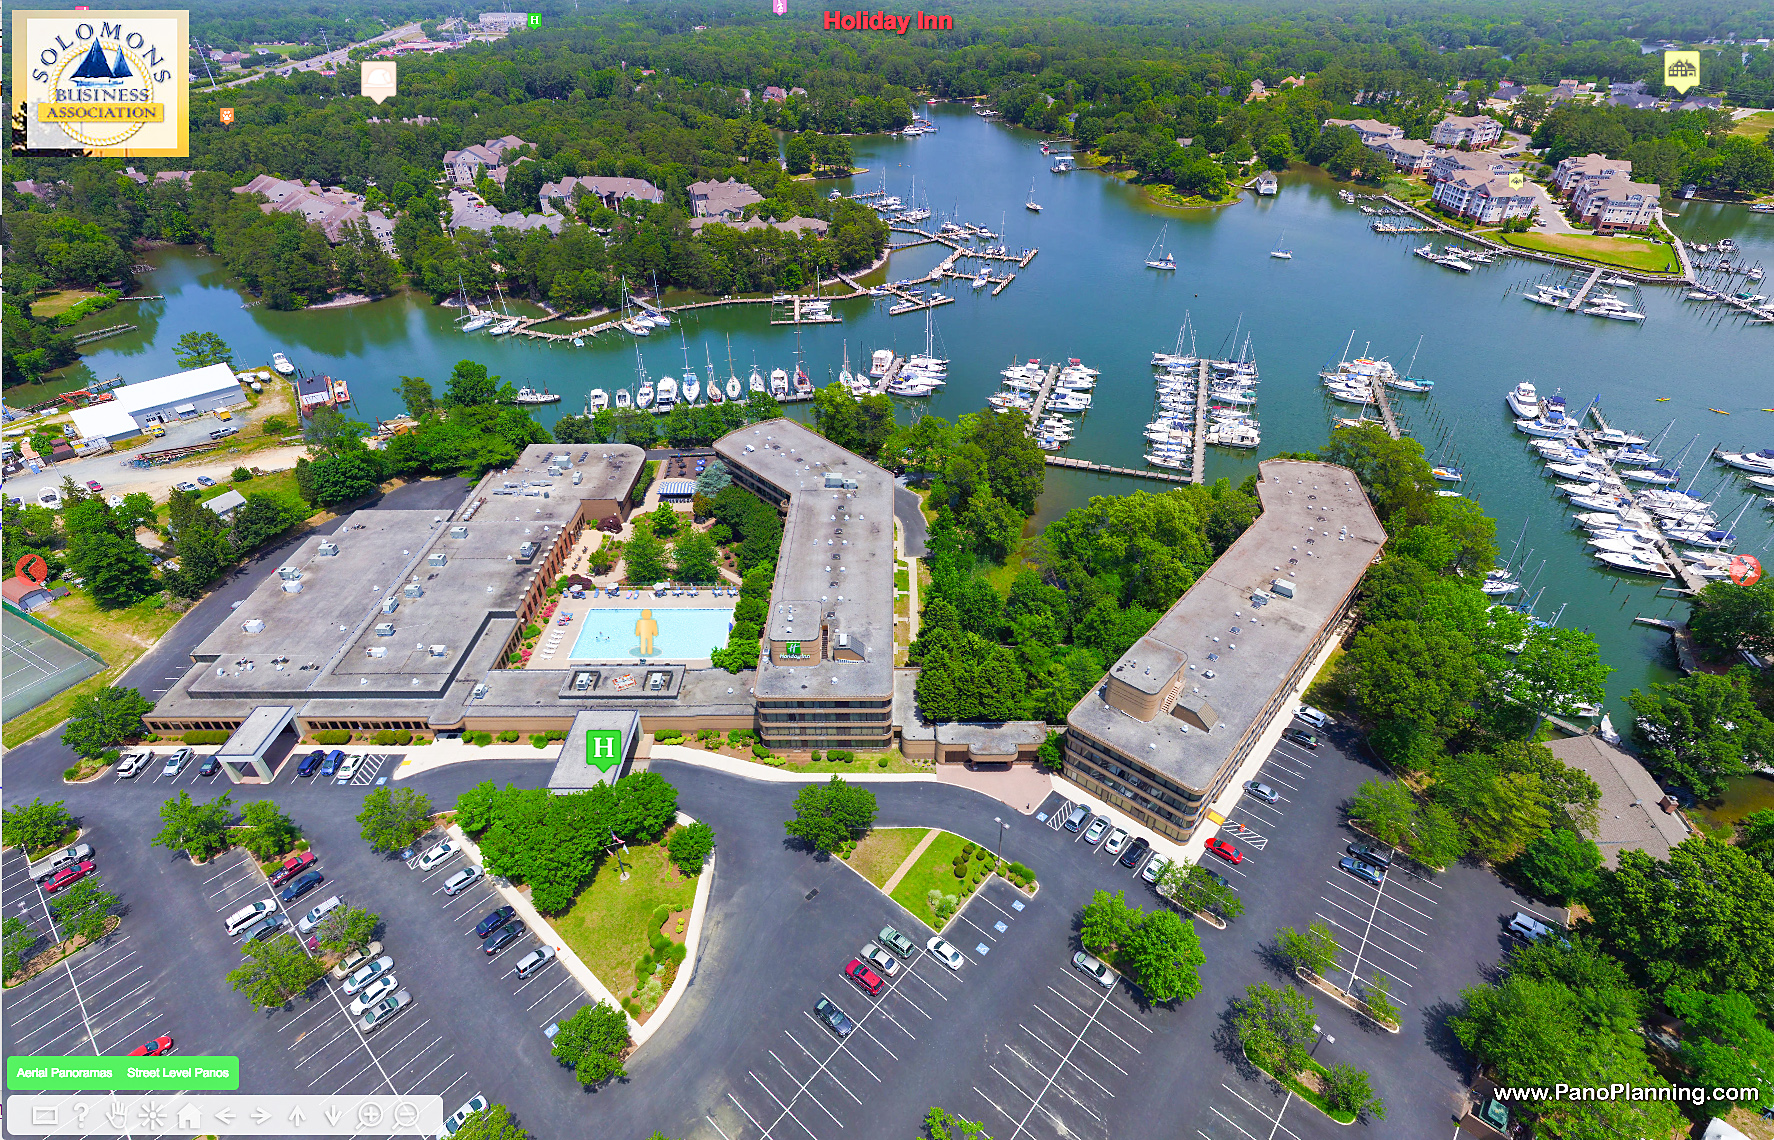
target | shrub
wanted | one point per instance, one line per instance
(241, 475)
(389, 736)
(509, 736)
(325, 736)
(841, 755)
(689, 847)
(657, 941)
(538, 740)
(668, 736)
(739, 736)
(760, 751)
(881, 763)
(967, 850)
(676, 953)
(556, 734)
(514, 659)
(814, 755)
(478, 739)
(71, 773)
(219, 736)
(1021, 871)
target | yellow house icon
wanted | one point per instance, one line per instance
(1681, 69)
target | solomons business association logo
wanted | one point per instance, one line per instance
(106, 83)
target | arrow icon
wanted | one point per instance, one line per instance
(333, 1114)
(295, 1116)
(261, 1115)
(225, 1115)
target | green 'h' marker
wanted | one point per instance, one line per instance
(603, 748)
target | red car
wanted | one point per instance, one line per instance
(864, 977)
(292, 866)
(1225, 850)
(94, 485)
(153, 1048)
(68, 876)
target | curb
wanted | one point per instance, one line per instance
(692, 950)
(746, 769)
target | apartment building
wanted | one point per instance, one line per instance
(1473, 131)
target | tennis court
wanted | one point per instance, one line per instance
(36, 664)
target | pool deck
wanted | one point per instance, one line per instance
(562, 655)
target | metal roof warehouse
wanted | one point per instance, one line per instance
(181, 395)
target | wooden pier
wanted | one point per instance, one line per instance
(1104, 468)
(1684, 573)
(1198, 463)
(1385, 403)
(1041, 398)
(799, 319)
(100, 334)
(1002, 282)
(1583, 293)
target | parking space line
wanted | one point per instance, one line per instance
(313, 1006)
(434, 1069)
(1427, 901)
(341, 1061)
(1064, 1059)
(750, 1117)
(716, 1127)
(896, 992)
(1086, 1013)
(790, 1073)
(1356, 916)
(1353, 934)
(1379, 895)
(865, 1030)
(784, 1107)
(1275, 1120)
(546, 996)
(304, 1060)
(1063, 1091)
(1086, 1044)
(1034, 1103)
(143, 1031)
(417, 1055)
(912, 973)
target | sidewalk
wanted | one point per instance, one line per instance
(751, 771)
(440, 753)
(900, 872)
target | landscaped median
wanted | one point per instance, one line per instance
(948, 871)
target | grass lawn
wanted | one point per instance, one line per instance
(869, 762)
(1305, 1093)
(1646, 257)
(55, 304)
(118, 636)
(932, 871)
(1755, 126)
(1323, 693)
(610, 920)
(882, 851)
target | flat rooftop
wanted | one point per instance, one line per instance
(1214, 646)
(836, 566)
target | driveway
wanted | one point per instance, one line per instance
(907, 508)
(1550, 213)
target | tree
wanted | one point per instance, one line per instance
(940, 1124)
(593, 1041)
(392, 818)
(1756, 838)
(1703, 729)
(341, 478)
(101, 720)
(199, 349)
(643, 558)
(1314, 951)
(330, 432)
(17, 939)
(82, 909)
(1275, 1026)
(115, 568)
(274, 971)
(1346, 1087)
(347, 928)
(469, 386)
(1106, 921)
(644, 805)
(1198, 890)
(1406, 672)
(415, 393)
(1164, 953)
(476, 808)
(1703, 920)
(262, 518)
(1376, 998)
(664, 520)
(799, 154)
(1727, 1043)
(578, 429)
(269, 833)
(1558, 670)
(199, 830)
(1384, 808)
(1726, 616)
(1560, 865)
(35, 825)
(493, 1122)
(693, 558)
(829, 815)
(690, 846)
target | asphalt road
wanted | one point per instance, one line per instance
(908, 509)
(331, 59)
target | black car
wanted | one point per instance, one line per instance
(1378, 855)
(503, 937)
(1137, 848)
(494, 921)
(1301, 737)
(833, 1017)
(302, 886)
(311, 763)
(211, 766)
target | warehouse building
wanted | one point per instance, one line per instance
(1176, 716)
(168, 399)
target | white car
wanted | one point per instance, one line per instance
(1154, 867)
(347, 768)
(476, 1103)
(367, 974)
(312, 919)
(1116, 841)
(247, 915)
(379, 1014)
(131, 764)
(372, 993)
(883, 962)
(533, 961)
(1096, 968)
(1095, 831)
(437, 855)
(461, 880)
(1312, 716)
(946, 954)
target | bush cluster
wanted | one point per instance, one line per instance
(324, 736)
(217, 736)
(389, 736)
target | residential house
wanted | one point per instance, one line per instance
(775, 95)
(1484, 198)
(1258, 91)
(41, 190)
(141, 179)
(1293, 81)
(468, 212)
(466, 165)
(1636, 87)
(795, 225)
(1633, 100)
(332, 208)
(1413, 156)
(1700, 103)
(1575, 170)
(1474, 131)
(608, 191)
(722, 199)
(1372, 131)
(1617, 203)
(226, 57)
(1634, 813)
(1508, 92)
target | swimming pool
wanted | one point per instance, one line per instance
(616, 633)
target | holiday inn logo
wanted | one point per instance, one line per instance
(101, 83)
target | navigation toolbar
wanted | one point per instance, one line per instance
(221, 1114)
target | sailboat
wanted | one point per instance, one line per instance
(755, 383)
(474, 321)
(1411, 383)
(643, 396)
(715, 395)
(1031, 205)
(1278, 251)
(691, 387)
(1164, 259)
(803, 382)
(732, 376)
(94, 71)
(844, 376)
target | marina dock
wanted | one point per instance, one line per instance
(101, 334)
(1583, 293)
(1198, 464)
(1684, 573)
(1104, 468)
(1386, 416)
(798, 318)
(1041, 398)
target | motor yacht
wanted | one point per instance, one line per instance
(778, 383)
(598, 400)
(1757, 462)
(623, 399)
(665, 397)
(282, 363)
(1524, 400)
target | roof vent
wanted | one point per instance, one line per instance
(480, 691)
(288, 573)
(376, 651)
(414, 590)
(439, 650)
(458, 532)
(253, 625)
(328, 549)
(438, 559)
(292, 586)
(385, 629)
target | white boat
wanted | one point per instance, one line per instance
(803, 382)
(778, 383)
(1710, 539)
(1542, 299)
(755, 383)
(643, 396)
(1612, 313)
(1280, 251)
(578, 342)
(1524, 400)
(599, 400)
(508, 325)
(636, 328)
(1158, 257)
(1453, 262)
(1447, 474)
(845, 377)
(477, 322)
(1759, 462)
(623, 399)
(1234, 435)
(880, 361)
(1031, 205)
(1634, 564)
(531, 396)
(692, 387)
(1615, 435)
(665, 398)
(1559, 429)
(282, 363)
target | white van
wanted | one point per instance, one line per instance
(312, 919)
(247, 915)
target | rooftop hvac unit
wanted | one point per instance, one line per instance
(288, 573)
(376, 651)
(480, 691)
(458, 532)
(578, 476)
(526, 552)
(328, 549)
(1284, 587)
(414, 590)
(253, 625)
(292, 586)
(439, 650)
(385, 629)
(389, 605)
(438, 559)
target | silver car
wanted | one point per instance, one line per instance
(383, 1011)
(368, 973)
(1096, 968)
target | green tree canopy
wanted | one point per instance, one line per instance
(1703, 729)
(829, 815)
(198, 829)
(392, 818)
(101, 720)
(199, 349)
(593, 1041)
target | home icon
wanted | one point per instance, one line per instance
(190, 1119)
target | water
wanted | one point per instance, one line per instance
(618, 633)
(1089, 295)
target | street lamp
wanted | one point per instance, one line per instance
(1002, 827)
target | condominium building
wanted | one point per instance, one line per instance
(1372, 131)
(1473, 131)
(1617, 203)
(1577, 169)
(1413, 156)
(1477, 195)
(1177, 715)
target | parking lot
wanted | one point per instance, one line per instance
(373, 769)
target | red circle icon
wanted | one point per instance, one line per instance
(1746, 569)
(33, 568)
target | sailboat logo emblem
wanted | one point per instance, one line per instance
(96, 71)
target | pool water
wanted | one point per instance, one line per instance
(613, 633)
